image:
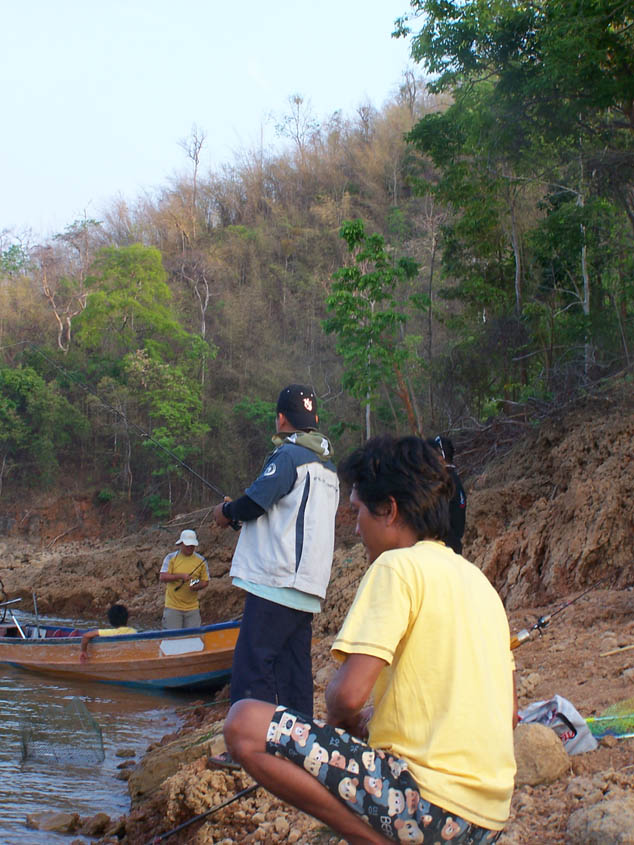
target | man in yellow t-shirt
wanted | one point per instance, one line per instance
(427, 636)
(185, 573)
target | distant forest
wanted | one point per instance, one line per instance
(464, 252)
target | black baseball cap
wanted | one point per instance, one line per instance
(298, 403)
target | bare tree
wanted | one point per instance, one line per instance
(63, 268)
(298, 124)
(192, 145)
(408, 91)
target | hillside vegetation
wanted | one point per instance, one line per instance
(462, 253)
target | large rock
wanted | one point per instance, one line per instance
(95, 825)
(54, 822)
(609, 822)
(539, 754)
(164, 761)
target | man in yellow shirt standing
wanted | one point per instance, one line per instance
(185, 573)
(427, 637)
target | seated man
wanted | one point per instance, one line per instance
(118, 618)
(427, 634)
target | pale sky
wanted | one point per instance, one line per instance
(96, 96)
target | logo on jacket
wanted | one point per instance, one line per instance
(270, 470)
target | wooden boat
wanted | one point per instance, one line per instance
(188, 658)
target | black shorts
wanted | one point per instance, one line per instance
(370, 782)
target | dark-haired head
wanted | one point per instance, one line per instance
(408, 471)
(118, 615)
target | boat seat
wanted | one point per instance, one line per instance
(181, 646)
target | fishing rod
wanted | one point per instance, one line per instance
(37, 615)
(234, 523)
(525, 634)
(243, 793)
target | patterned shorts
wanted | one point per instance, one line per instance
(370, 782)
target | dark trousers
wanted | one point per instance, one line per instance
(272, 660)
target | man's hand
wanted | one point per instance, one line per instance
(219, 516)
(358, 725)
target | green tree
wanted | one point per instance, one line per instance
(510, 67)
(367, 317)
(128, 304)
(14, 261)
(172, 404)
(36, 424)
(568, 58)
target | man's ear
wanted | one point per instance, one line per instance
(392, 514)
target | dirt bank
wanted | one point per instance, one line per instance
(544, 521)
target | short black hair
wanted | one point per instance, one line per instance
(408, 470)
(118, 615)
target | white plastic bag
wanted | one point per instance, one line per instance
(559, 714)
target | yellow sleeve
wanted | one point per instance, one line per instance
(378, 617)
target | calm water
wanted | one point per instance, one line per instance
(129, 719)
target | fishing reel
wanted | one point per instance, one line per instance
(525, 634)
(194, 581)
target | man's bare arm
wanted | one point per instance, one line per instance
(350, 689)
(165, 577)
(86, 638)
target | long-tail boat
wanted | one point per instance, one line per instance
(187, 658)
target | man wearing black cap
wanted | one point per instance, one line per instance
(284, 555)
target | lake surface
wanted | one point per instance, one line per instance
(71, 780)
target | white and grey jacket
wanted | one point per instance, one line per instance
(291, 544)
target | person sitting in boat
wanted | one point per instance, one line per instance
(118, 618)
(185, 573)
(427, 634)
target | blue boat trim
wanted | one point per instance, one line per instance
(162, 634)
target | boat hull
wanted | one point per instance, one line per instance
(190, 658)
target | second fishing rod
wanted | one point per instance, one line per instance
(525, 634)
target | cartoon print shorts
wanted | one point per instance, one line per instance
(370, 782)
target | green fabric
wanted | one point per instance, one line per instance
(313, 440)
(286, 596)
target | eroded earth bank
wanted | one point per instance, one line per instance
(545, 521)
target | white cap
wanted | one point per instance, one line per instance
(188, 538)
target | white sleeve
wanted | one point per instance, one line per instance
(166, 561)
